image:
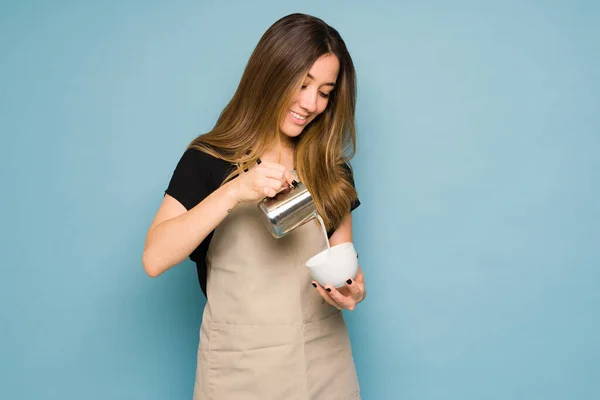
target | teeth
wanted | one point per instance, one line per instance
(297, 115)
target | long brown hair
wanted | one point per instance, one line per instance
(248, 126)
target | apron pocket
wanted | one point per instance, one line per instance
(254, 362)
(331, 371)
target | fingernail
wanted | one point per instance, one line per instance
(314, 284)
(329, 290)
(258, 161)
(294, 183)
(349, 281)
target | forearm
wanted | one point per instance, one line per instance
(171, 241)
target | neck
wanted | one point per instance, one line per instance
(287, 143)
(286, 146)
(281, 152)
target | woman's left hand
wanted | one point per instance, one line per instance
(347, 296)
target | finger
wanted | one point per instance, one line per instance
(360, 282)
(345, 302)
(354, 289)
(290, 179)
(269, 192)
(270, 183)
(359, 277)
(276, 185)
(325, 295)
(273, 173)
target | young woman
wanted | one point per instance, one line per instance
(269, 332)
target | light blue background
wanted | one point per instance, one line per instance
(478, 167)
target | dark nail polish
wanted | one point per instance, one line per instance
(294, 183)
(329, 290)
(258, 161)
(349, 281)
(314, 284)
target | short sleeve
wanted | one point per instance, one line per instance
(356, 202)
(192, 180)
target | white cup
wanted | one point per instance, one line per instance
(334, 266)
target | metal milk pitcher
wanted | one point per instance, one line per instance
(288, 210)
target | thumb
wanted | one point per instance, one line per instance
(291, 178)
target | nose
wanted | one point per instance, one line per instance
(308, 100)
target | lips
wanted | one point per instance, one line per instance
(297, 115)
(298, 119)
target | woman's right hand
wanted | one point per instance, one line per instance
(266, 179)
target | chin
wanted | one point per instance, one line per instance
(291, 131)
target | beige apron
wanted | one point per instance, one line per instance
(266, 333)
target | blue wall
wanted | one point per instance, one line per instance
(478, 168)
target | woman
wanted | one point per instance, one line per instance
(266, 332)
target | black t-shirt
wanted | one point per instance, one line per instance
(196, 176)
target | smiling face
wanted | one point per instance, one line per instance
(312, 98)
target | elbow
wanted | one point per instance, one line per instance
(150, 265)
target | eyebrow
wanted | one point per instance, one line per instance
(328, 83)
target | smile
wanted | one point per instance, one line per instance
(297, 116)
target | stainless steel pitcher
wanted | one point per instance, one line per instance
(288, 210)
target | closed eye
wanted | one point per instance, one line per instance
(323, 95)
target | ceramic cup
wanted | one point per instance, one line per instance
(334, 266)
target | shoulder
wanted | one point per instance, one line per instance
(348, 170)
(196, 175)
(205, 163)
(346, 167)
(202, 157)
(355, 202)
